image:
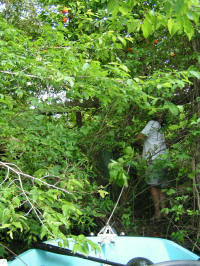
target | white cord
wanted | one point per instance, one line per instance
(117, 201)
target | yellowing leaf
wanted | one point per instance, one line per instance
(102, 193)
(5, 226)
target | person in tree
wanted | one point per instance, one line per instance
(153, 149)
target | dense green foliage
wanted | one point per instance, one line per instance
(77, 86)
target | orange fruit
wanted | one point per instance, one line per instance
(155, 41)
(65, 20)
(64, 11)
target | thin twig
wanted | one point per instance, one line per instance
(19, 172)
(12, 252)
(16, 73)
(16, 170)
(32, 206)
(194, 244)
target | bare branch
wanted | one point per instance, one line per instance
(13, 253)
(18, 172)
(16, 73)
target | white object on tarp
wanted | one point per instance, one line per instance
(3, 262)
(107, 234)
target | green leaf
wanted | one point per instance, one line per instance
(124, 10)
(123, 67)
(76, 248)
(84, 248)
(113, 7)
(85, 66)
(180, 6)
(16, 201)
(131, 4)
(125, 179)
(173, 26)
(43, 232)
(161, 20)
(70, 80)
(5, 226)
(8, 101)
(172, 108)
(188, 28)
(195, 74)
(192, 15)
(133, 25)
(40, 173)
(18, 225)
(129, 151)
(147, 28)
(122, 40)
